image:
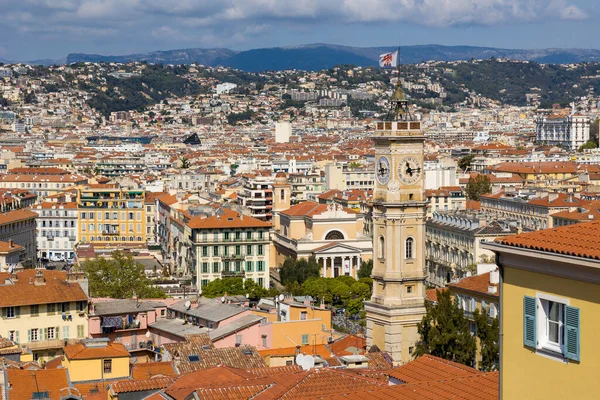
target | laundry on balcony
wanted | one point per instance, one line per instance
(112, 322)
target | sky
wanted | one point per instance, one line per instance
(39, 29)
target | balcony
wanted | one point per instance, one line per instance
(233, 257)
(49, 344)
(233, 274)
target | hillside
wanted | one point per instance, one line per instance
(322, 56)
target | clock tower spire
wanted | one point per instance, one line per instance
(398, 301)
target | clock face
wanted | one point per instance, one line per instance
(382, 170)
(409, 170)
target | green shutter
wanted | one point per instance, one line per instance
(17, 312)
(4, 312)
(17, 339)
(529, 323)
(28, 335)
(572, 333)
(45, 333)
(56, 333)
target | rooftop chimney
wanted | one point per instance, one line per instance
(494, 277)
(39, 277)
(10, 243)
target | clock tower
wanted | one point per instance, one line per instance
(398, 302)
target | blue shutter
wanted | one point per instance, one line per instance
(572, 333)
(529, 323)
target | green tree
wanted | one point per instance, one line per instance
(119, 277)
(354, 307)
(488, 335)
(444, 332)
(465, 162)
(360, 290)
(365, 270)
(298, 270)
(185, 162)
(590, 144)
(478, 185)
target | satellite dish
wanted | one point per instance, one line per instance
(223, 299)
(188, 304)
(147, 334)
(308, 362)
(299, 359)
(281, 297)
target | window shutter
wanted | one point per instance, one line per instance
(529, 325)
(4, 313)
(29, 335)
(572, 333)
(45, 333)
(17, 339)
(56, 333)
(17, 312)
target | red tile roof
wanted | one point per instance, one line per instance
(23, 383)
(151, 369)
(579, 240)
(55, 290)
(482, 386)
(230, 219)
(141, 385)
(476, 284)
(80, 351)
(430, 368)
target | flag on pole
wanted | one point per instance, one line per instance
(389, 60)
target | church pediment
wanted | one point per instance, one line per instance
(336, 248)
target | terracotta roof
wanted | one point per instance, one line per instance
(579, 240)
(348, 345)
(430, 368)
(80, 351)
(141, 385)
(586, 213)
(23, 383)
(483, 386)
(152, 369)
(476, 284)
(55, 290)
(230, 219)
(9, 247)
(320, 350)
(16, 216)
(310, 208)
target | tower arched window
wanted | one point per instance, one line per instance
(409, 247)
(381, 247)
(282, 195)
(334, 235)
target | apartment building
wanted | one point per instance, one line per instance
(111, 214)
(257, 197)
(561, 129)
(43, 310)
(549, 327)
(453, 243)
(343, 178)
(532, 213)
(446, 198)
(305, 186)
(19, 227)
(230, 244)
(42, 185)
(121, 165)
(57, 229)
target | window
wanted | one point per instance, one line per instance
(238, 250)
(409, 247)
(304, 340)
(249, 235)
(261, 266)
(66, 333)
(33, 335)
(248, 266)
(261, 282)
(260, 250)
(107, 366)
(409, 289)
(51, 333)
(238, 340)
(10, 312)
(215, 251)
(65, 307)
(303, 315)
(381, 252)
(80, 329)
(204, 251)
(334, 235)
(249, 250)
(34, 310)
(238, 235)
(204, 267)
(215, 267)
(260, 234)
(551, 325)
(225, 235)
(264, 340)
(289, 362)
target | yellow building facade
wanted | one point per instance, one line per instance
(110, 214)
(96, 360)
(550, 295)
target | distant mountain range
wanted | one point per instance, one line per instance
(322, 56)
